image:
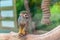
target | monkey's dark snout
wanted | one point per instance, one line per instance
(26, 16)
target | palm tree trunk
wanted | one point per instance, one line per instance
(46, 12)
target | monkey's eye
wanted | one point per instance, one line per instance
(26, 15)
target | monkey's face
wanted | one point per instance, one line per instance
(24, 15)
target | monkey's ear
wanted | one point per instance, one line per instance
(21, 14)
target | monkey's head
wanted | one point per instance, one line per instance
(24, 14)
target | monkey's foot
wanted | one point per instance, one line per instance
(21, 35)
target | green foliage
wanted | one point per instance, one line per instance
(34, 5)
(55, 12)
(19, 6)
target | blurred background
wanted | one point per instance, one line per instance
(10, 9)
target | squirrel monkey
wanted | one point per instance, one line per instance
(22, 23)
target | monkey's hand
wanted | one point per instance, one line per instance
(22, 31)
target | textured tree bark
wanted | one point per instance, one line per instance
(45, 6)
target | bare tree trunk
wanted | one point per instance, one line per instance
(52, 35)
(46, 12)
(26, 4)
